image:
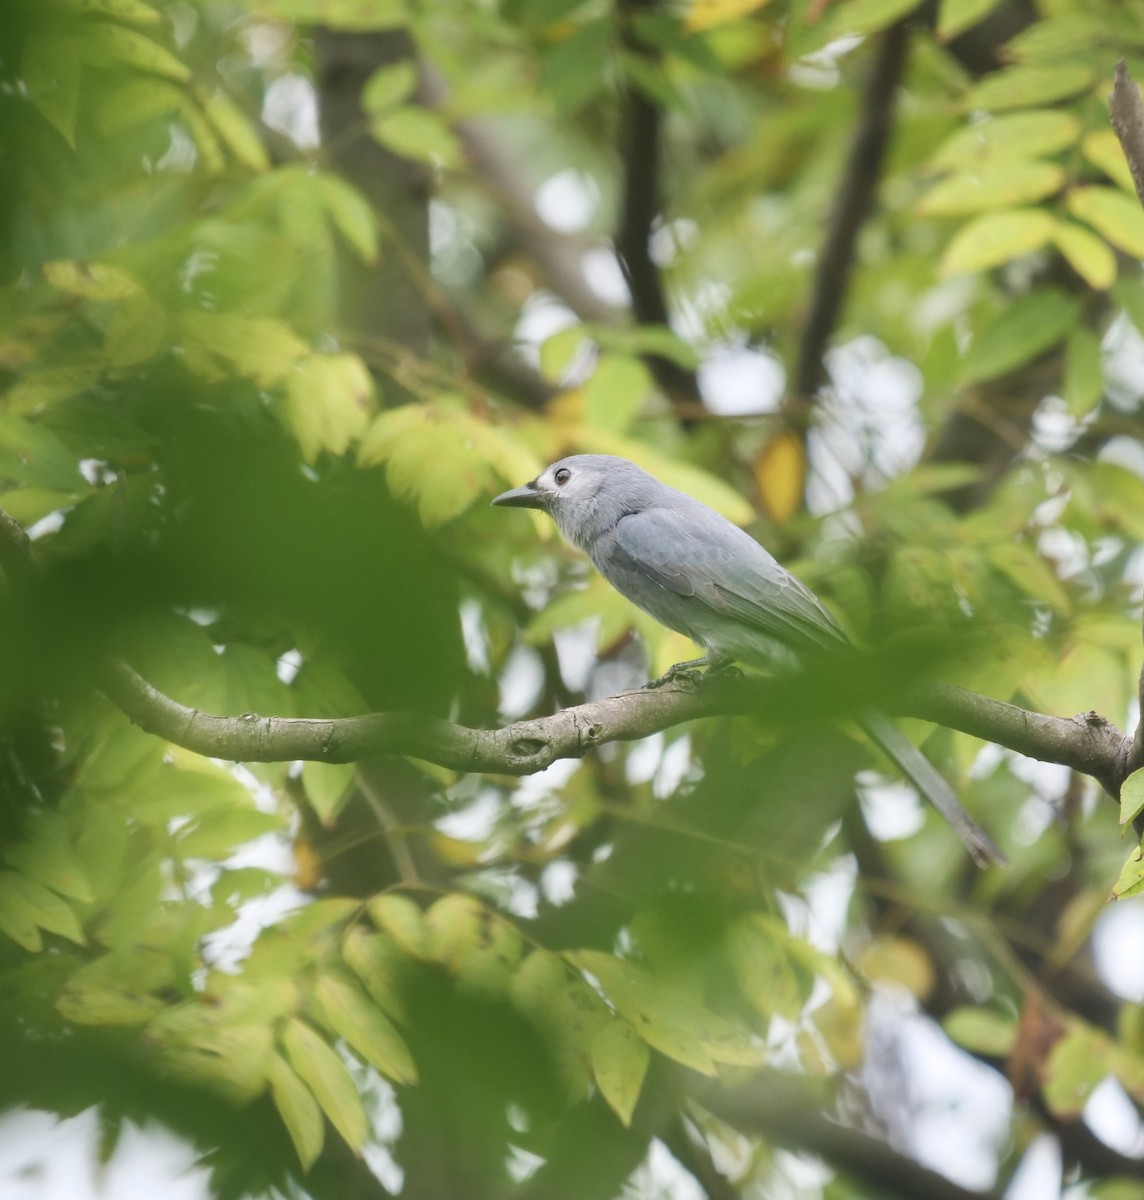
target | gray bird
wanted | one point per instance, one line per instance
(699, 574)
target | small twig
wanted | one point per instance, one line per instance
(852, 206)
(1127, 109)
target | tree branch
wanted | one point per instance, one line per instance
(788, 1110)
(852, 206)
(1087, 743)
(1127, 109)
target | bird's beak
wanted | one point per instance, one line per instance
(529, 496)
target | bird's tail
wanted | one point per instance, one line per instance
(924, 776)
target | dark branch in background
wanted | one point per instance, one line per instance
(641, 151)
(787, 1111)
(852, 206)
(1127, 109)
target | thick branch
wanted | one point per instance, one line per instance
(1127, 109)
(852, 206)
(788, 1111)
(1086, 743)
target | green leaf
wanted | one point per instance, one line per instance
(390, 86)
(231, 1060)
(259, 348)
(132, 12)
(1088, 256)
(666, 1020)
(452, 924)
(619, 1061)
(1029, 87)
(323, 1073)
(238, 133)
(616, 392)
(403, 920)
(992, 185)
(558, 352)
(30, 453)
(1021, 563)
(382, 966)
(329, 402)
(34, 902)
(104, 1004)
(982, 1030)
(40, 389)
(1025, 329)
(1008, 139)
(417, 134)
(136, 333)
(575, 70)
(16, 919)
(351, 15)
(766, 973)
(50, 67)
(995, 238)
(1112, 213)
(91, 281)
(868, 16)
(956, 16)
(137, 101)
(1076, 1064)
(328, 787)
(366, 1031)
(298, 1109)
(1130, 881)
(1132, 797)
(1084, 372)
(46, 855)
(351, 215)
(1102, 148)
(102, 44)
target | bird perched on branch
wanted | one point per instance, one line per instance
(699, 574)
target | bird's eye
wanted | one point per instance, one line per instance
(562, 476)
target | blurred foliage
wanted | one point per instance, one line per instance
(266, 512)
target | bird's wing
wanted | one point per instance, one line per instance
(700, 554)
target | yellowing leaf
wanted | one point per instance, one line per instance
(1112, 213)
(996, 238)
(453, 924)
(92, 281)
(298, 1109)
(768, 976)
(1130, 882)
(229, 1059)
(323, 1073)
(899, 960)
(1008, 139)
(1025, 329)
(1102, 148)
(1028, 87)
(707, 14)
(366, 1031)
(982, 1030)
(992, 185)
(329, 402)
(619, 1062)
(780, 476)
(1088, 256)
(955, 16)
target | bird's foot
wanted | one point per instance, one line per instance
(691, 674)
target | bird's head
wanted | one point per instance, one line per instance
(583, 493)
